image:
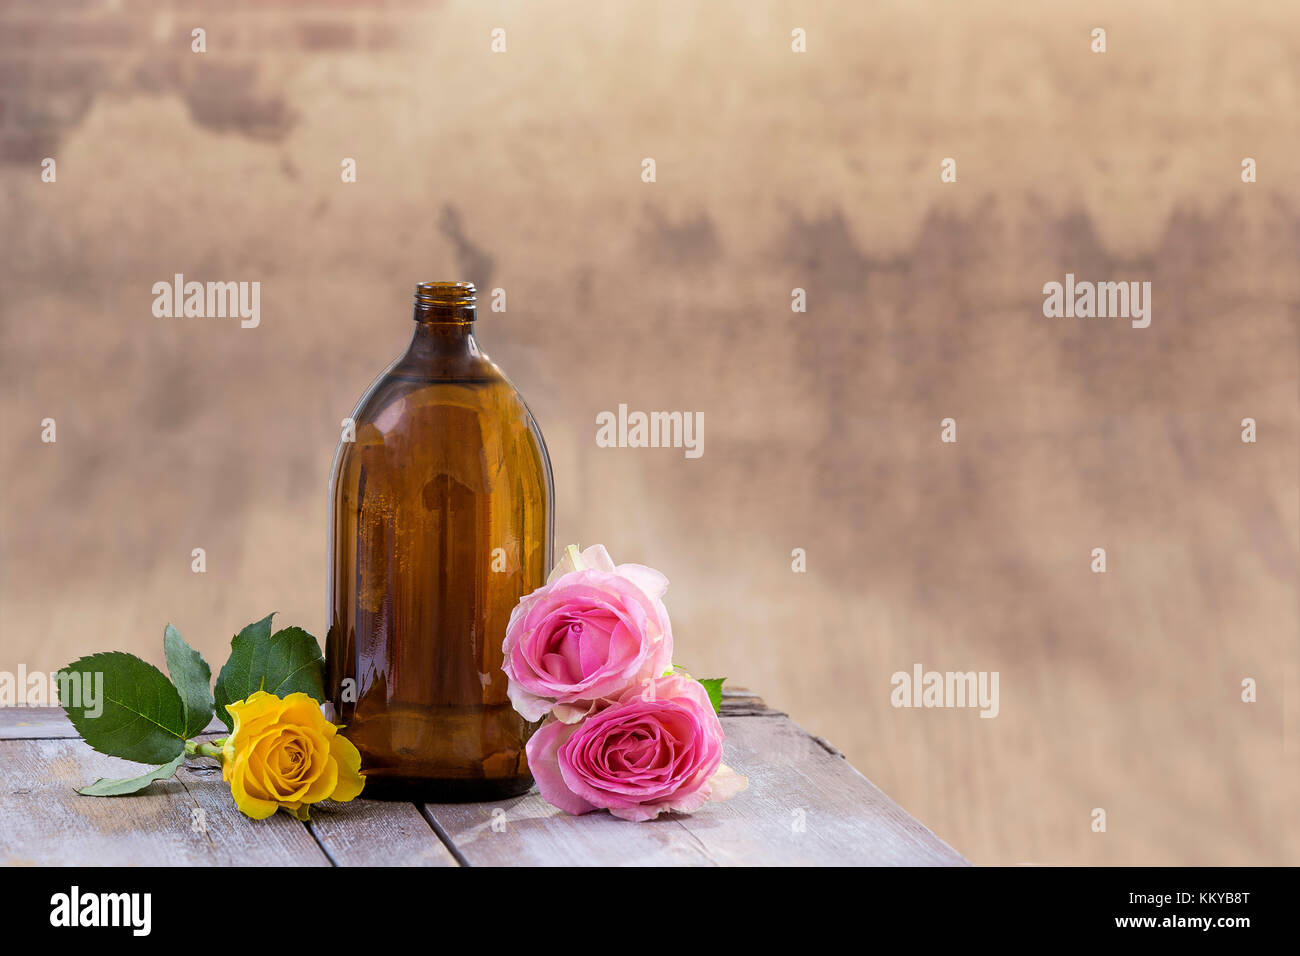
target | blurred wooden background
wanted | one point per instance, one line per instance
(775, 170)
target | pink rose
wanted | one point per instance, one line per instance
(591, 631)
(649, 750)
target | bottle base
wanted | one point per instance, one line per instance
(414, 790)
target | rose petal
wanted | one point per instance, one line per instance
(530, 706)
(650, 581)
(543, 760)
(571, 713)
(594, 557)
(726, 783)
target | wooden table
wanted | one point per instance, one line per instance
(805, 805)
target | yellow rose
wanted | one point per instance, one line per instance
(283, 753)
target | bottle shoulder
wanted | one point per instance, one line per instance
(478, 384)
(455, 414)
(478, 405)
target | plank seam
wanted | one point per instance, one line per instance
(195, 800)
(323, 848)
(442, 834)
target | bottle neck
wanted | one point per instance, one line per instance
(445, 313)
(433, 339)
(444, 326)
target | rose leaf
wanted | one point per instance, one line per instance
(714, 687)
(124, 707)
(193, 679)
(120, 788)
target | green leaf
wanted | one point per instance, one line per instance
(247, 648)
(137, 714)
(120, 788)
(714, 686)
(294, 664)
(282, 663)
(193, 679)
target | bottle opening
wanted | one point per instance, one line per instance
(445, 301)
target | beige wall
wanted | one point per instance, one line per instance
(775, 170)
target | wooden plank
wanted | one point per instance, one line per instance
(377, 833)
(742, 703)
(43, 821)
(528, 831)
(805, 805)
(51, 723)
(21, 723)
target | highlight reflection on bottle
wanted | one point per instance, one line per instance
(442, 520)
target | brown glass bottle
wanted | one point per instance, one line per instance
(442, 520)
